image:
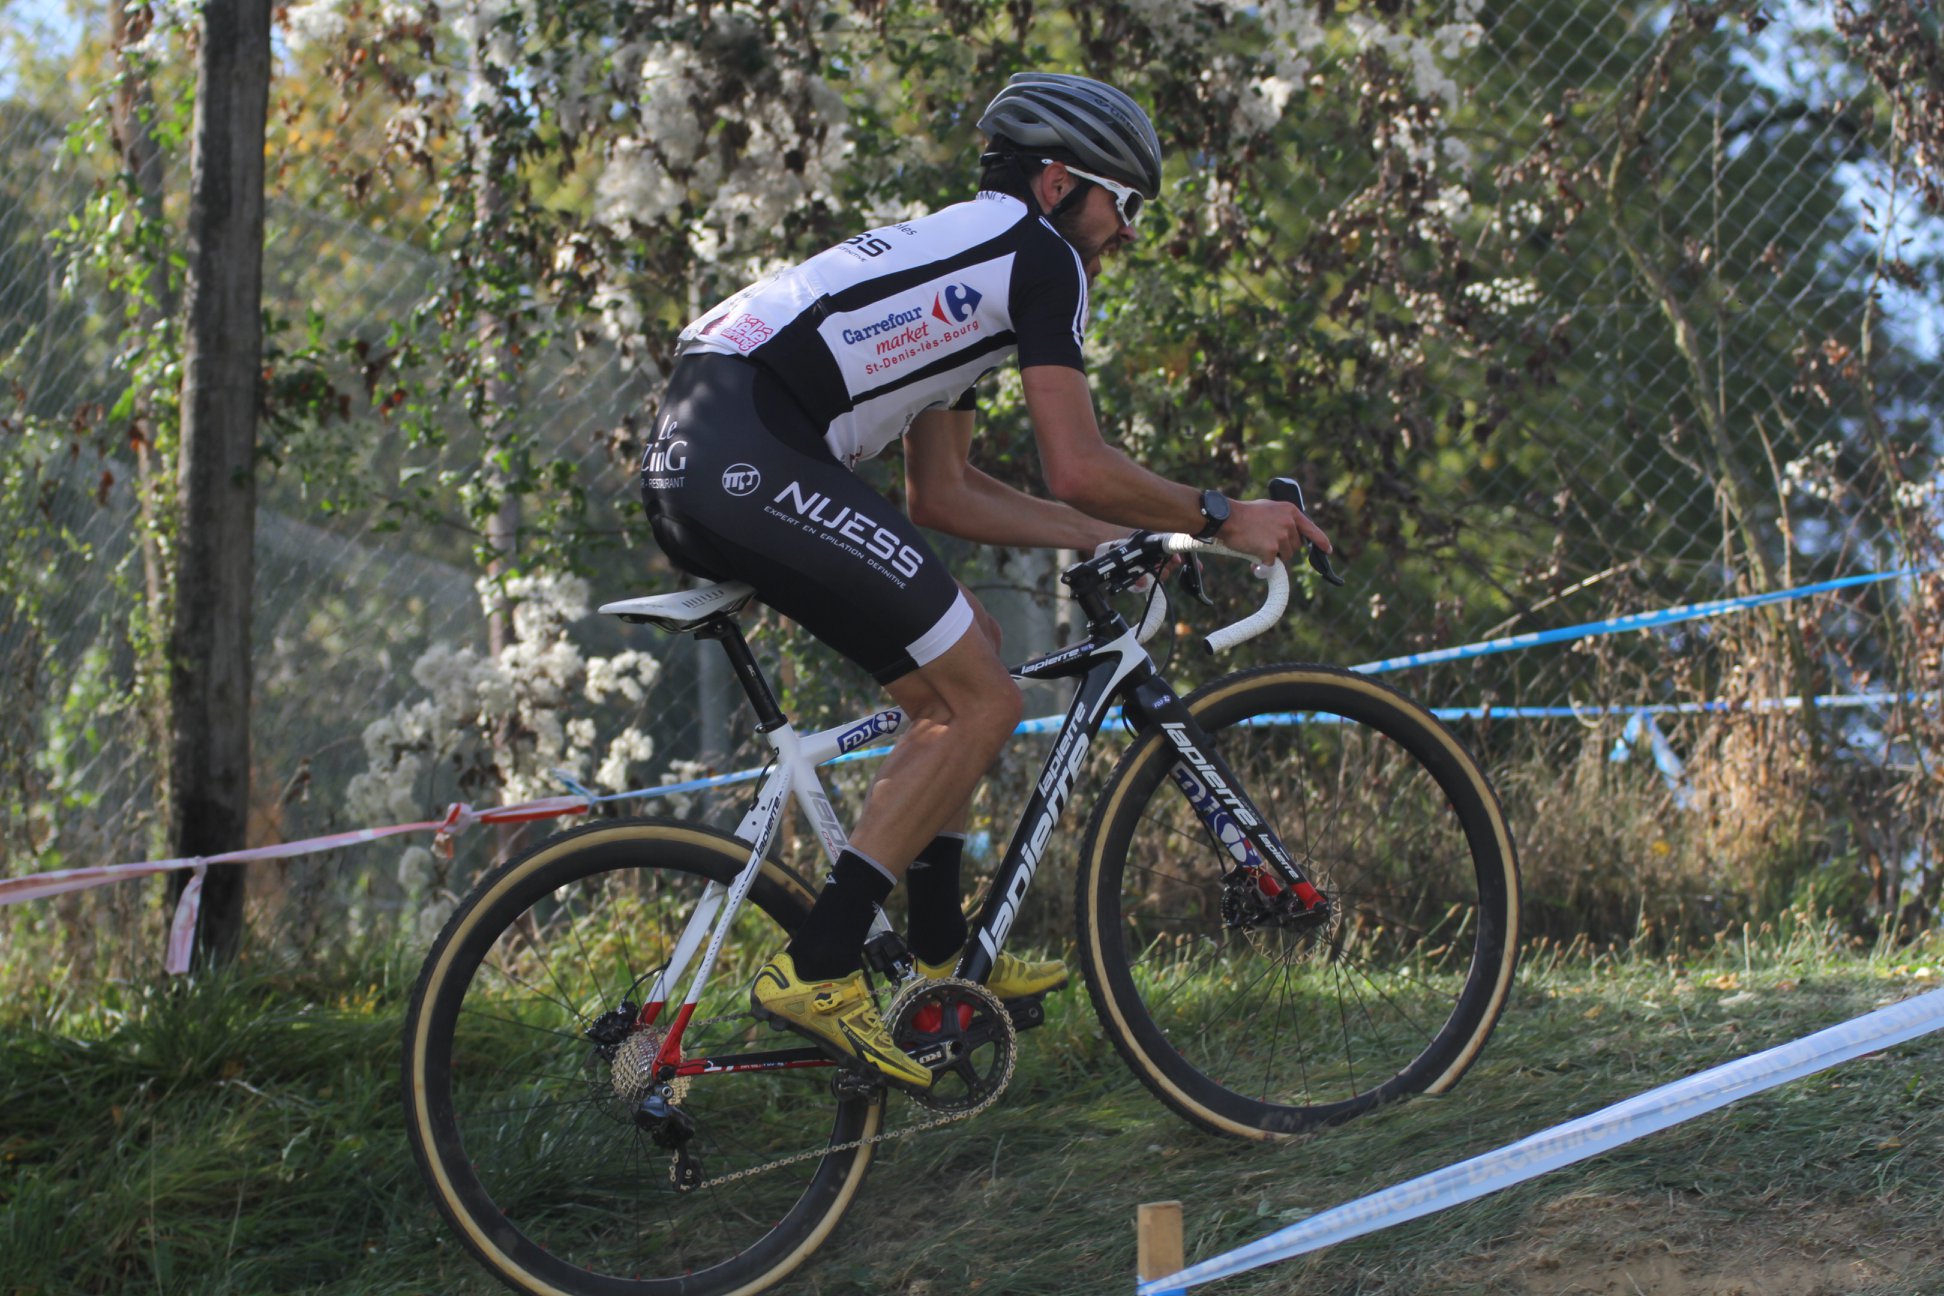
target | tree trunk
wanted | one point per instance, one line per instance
(131, 108)
(209, 643)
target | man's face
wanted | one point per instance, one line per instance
(1095, 228)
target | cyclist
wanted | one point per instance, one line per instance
(781, 389)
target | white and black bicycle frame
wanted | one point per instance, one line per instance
(1110, 664)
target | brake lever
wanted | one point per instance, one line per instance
(1192, 580)
(1290, 491)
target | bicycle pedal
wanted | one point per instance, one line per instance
(1028, 1012)
(853, 1082)
(765, 1015)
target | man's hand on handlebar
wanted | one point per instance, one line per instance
(1270, 529)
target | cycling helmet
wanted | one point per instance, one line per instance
(1078, 120)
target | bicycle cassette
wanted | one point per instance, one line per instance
(630, 1072)
(963, 1033)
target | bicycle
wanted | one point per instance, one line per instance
(593, 1105)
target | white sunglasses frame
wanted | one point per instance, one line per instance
(1118, 191)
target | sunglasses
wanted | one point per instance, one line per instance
(1127, 202)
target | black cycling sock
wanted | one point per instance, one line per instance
(830, 943)
(932, 894)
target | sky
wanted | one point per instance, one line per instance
(53, 28)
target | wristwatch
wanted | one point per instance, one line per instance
(1214, 511)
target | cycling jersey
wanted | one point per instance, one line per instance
(907, 317)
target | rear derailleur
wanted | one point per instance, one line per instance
(673, 1129)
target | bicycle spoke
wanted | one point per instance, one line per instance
(553, 1157)
(1300, 1015)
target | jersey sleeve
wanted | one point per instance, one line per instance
(1049, 302)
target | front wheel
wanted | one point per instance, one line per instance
(526, 1075)
(1258, 1028)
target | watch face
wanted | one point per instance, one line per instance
(1214, 507)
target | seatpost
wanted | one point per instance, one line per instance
(726, 632)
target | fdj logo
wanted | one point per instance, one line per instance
(741, 479)
(863, 731)
(956, 304)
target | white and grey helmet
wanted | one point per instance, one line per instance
(1079, 120)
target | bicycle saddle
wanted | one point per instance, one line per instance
(685, 609)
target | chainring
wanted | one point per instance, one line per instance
(963, 1033)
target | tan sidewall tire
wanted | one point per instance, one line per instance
(1126, 1022)
(708, 853)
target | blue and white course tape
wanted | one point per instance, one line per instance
(1622, 625)
(1577, 1140)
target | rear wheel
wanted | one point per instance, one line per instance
(521, 1100)
(1258, 1027)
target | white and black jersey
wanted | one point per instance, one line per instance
(907, 318)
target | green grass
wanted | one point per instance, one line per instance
(242, 1136)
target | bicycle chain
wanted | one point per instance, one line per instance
(950, 1118)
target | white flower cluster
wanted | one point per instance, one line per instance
(1259, 105)
(1918, 494)
(630, 748)
(1518, 218)
(1814, 473)
(470, 702)
(1424, 54)
(1503, 296)
(629, 673)
(681, 771)
(169, 17)
(634, 188)
(686, 92)
(477, 24)
(310, 23)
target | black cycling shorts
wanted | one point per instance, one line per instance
(740, 486)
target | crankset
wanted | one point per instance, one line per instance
(963, 1034)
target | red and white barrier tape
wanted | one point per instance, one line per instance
(182, 929)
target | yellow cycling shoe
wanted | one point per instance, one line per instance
(838, 1016)
(1012, 978)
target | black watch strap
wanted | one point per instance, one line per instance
(1215, 513)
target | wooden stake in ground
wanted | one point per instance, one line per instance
(1157, 1228)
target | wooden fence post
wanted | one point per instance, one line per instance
(1157, 1228)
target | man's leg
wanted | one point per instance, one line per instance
(937, 929)
(962, 706)
(934, 895)
(960, 710)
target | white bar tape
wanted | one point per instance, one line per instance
(1154, 615)
(1577, 1140)
(1274, 600)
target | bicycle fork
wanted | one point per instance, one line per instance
(1217, 797)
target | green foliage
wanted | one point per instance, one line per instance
(1569, 313)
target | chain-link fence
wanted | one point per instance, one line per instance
(1699, 226)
